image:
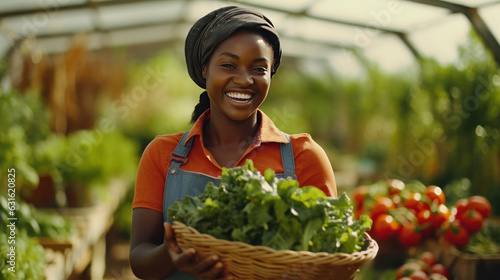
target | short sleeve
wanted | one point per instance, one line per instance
(150, 181)
(312, 165)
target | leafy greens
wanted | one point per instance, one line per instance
(277, 213)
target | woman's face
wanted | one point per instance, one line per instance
(238, 75)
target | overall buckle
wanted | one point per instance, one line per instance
(179, 159)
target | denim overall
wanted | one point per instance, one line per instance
(180, 183)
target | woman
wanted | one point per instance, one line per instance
(231, 52)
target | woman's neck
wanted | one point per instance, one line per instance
(221, 131)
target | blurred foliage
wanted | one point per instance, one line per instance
(159, 99)
(451, 129)
(94, 157)
(29, 258)
(36, 223)
(440, 126)
(88, 156)
(24, 126)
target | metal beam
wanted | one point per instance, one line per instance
(409, 45)
(70, 7)
(453, 7)
(470, 12)
(303, 13)
(475, 19)
(483, 30)
(98, 29)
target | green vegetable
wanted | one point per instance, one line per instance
(262, 210)
(36, 223)
(486, 241)
(24, 122)
(29, 262)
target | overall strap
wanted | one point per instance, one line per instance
(179, 156)
(288, 159)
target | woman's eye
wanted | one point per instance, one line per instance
(260, 69)
(227, 65)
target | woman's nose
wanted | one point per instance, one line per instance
(243, 78)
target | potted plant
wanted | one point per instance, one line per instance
(92, 160)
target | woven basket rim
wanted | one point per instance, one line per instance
(318, 257)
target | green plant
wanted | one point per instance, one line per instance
(29, 258)
(24, 123)
(94, 157)
(37, 223)
(47, 153)
(163, 105)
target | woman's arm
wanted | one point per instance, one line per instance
(149, 257)
(154, 253)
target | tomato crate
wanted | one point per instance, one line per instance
(484, 264)
(470, 266)
(462, 265)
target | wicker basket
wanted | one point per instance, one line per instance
(244, 261)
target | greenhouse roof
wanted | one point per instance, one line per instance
(392, 32)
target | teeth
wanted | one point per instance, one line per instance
(239, 95)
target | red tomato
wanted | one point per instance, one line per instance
(440, 269)
(440, 216)
(408, 236)
(381, 205)
(460, 206)
(428, 258)
(480, 204)
(407, 269)
(472, 220)
(414, 202)
(435, 193)
(385, 227)
(418, 275)
(424, 220)
(359, 194)
(456, 234)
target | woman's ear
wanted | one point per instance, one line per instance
(204, 72)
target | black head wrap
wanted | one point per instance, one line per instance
(209, 31)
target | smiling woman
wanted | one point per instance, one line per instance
(231, 52)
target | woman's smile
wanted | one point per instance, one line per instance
(239, 97)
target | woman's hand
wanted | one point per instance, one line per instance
(189, 262)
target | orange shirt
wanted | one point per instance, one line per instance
(312, 165)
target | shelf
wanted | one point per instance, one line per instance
(85, 251)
